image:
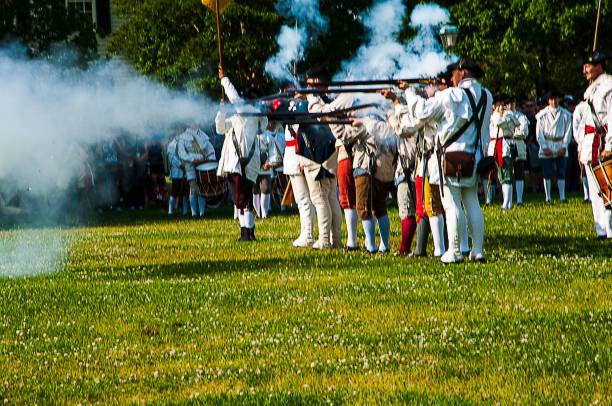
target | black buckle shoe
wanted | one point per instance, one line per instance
(243, 234)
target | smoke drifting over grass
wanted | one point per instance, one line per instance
(31, 252)
(52, 113)
(383, 56)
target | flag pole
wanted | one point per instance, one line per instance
(218, 33)
(219, 43)
(597, 26)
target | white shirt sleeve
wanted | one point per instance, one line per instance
(222, 124)
(424, 110)
(230, 90)
(567, 136)
(608, 121)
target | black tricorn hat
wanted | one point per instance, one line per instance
(552, 94)
(444, 77)
(467, 64)
(318, 72)
(593, 57)
(499, 98)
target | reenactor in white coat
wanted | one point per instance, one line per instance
(271, 157)
(427, 179)
(503, 124)
(374, 164)
(597, 142)
(521, 132)
(346, 180)
(240, 159)
(461, 120)
(193, 148)
(553, 133)
(578, 127)
(176, 172)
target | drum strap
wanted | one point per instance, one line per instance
(600, 129)
(196, 147)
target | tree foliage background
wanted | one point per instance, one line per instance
(41, 24)
(527, 46)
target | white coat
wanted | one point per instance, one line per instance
(407, 126)
(521, 132)
(503, 124)
(245, 129)
(450, 109)
(553, 130)
(600, 95)
(271, 152)
(584, 141)
(173, 160)
(376, 139)
(193, 145)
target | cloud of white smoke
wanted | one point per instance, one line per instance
(383, 56)
(291, 44)
(51, 115)
(293, 39)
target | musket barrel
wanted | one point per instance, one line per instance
(319, 90)
(317, 122)
(291, 114)
(393, 82)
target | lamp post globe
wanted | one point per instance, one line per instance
(448, 35)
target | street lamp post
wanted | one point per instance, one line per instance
(448, 35)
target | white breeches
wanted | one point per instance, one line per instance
(305, 206)
(455, 217)
(324, 196)
(601, 216)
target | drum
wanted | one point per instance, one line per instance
(210, 185)
(279, 184)
(603, 176)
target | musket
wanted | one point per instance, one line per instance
(318, 90)
(280, 115)
(317, 122)
(393, 82)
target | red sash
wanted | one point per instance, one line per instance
(595, 150)
(499, 153)
(293, 142)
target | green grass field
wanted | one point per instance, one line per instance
(142, 308)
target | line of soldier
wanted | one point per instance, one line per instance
(434, 147)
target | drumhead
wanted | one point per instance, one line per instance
(207, 166)
(278, 169)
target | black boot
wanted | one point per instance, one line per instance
(251, 234)
(243, 234)
(422, 234)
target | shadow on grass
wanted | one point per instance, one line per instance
(117, 219)
(196, 269)
(536, 245)
(403, 397)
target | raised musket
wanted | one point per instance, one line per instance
(280, 115)
(316, 122)
(318, 90)
(393, 82)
